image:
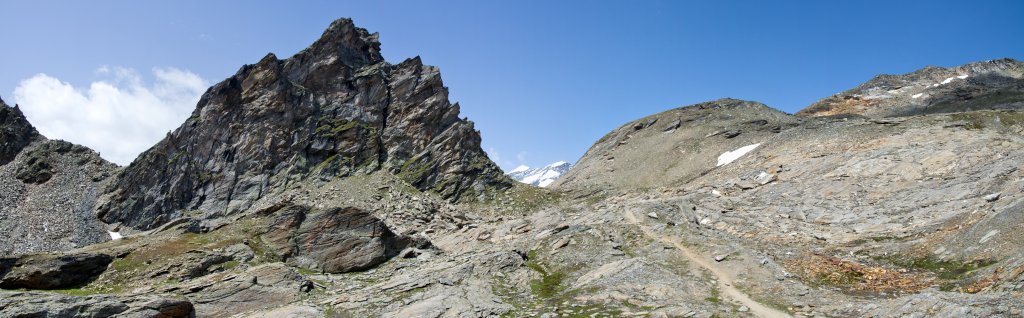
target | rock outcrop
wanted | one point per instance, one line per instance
(36, 304)
(48, 189)
(335, 109)
(995, 84)
(45, 271)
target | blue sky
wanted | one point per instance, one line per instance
(542, 80)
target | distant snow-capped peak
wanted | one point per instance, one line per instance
(540, 177)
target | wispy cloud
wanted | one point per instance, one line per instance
(119, 116)
(521, 157)
(505, 164)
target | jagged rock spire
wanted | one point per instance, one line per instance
(334, 109)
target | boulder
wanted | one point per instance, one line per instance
(335, 240)
(48, 271)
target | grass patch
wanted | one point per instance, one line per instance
(946, 270)
(854, 277)
(716, 296)
(986, 119)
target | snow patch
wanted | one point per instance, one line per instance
(918, 95)
(541, 177)
(558, 163)
(530, 179)
(962, 76)
(114, 236)
(730, 156)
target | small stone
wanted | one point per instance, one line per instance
(743, 309)
(652, 215)
(992, 197)
(562, 242)
(721, 257)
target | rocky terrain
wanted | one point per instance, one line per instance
(541, 177)
(48, 189)
(334, 184)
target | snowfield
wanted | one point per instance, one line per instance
(730, 156)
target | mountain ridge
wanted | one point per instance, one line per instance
(541, 177)
(991, 84)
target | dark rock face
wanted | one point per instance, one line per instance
(336, 240)
(15, 132)
(335, 109)
(987, 85)
(35, 304)
(54, 271)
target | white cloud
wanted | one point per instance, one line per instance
(119, 117)
(496, 158)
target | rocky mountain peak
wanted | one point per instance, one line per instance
(335, 109)
(15, 132)
(347, 43)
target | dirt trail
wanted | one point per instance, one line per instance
(725, 281)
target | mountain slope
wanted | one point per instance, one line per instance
(48, 189)
(335, 109)
(674, 146)
(540, 177)
(995, 84)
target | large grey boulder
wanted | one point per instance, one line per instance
(335, 240)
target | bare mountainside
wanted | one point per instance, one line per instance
(333, 184)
